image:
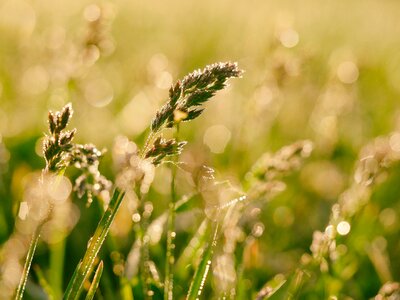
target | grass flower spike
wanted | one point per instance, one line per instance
(188, 95)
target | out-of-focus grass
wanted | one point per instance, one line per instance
(326, 71)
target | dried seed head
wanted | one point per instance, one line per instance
(60, 152)
(285, 160)
(390, 290)
(189, 94)
(64, 116)
(162, 148)
(57, 145)
(52, 122)
(66, 138)
(266, 172)
(91, 182)
(374, 159)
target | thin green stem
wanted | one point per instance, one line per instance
(295, 285)
(126, 290)
(86, 265)
(200, 276)
(31, 250)
(168, 283)
(44, 283)
(144, 250)
(95, 282)
(171, 234)
(57, 253)
(28, 263)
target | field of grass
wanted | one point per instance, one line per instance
(286, 186)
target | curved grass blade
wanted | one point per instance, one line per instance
(43, 283)
(28, 262)
(198, 240)
(270, 288)
(295, 284)
(95, 282)
(200, 276)
(85, 266)
(56, 270)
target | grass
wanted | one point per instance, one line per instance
(185, 100)
(282, 185)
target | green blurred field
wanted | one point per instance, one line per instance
(328, 71)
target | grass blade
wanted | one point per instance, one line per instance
(200, 276)
(295, 284)
(28, 262)
(43, 283)
(95, 282)
(57, 255)
(270, 288)
(85, 266)
(198, 240)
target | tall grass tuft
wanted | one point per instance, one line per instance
(226, 243)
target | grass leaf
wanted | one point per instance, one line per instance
(95, 282)
(44, 283)
(85, 266)
(200, 276)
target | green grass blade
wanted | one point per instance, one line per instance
(270, 288)
(197, 242)
(57, 255)
(200, 276)
(295, 284)
(29, 257)
(44, 283)
(184, 204)
(84, 267)
(126, 289)
(95, 282)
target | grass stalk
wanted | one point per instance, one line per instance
(144, 252)
(171, 234)
(31, 252)
(170, 256)
(28, 262)
(200, 276)
(95, 282)
(57, 254)
(45, 284)
(126, 290)
(295, 285)
(85, 266)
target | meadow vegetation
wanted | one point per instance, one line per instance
(199, 150)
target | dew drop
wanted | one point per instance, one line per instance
(136, 217)
(343, 228)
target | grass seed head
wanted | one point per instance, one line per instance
(189, 94)
(162, 148)
(57, 145)
(60, 152)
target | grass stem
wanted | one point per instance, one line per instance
(171, 234)
(28, 263)
(86, 265)
(57, 254)
(200, 276)
(95, 282)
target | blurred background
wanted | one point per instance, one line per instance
(328, 71)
